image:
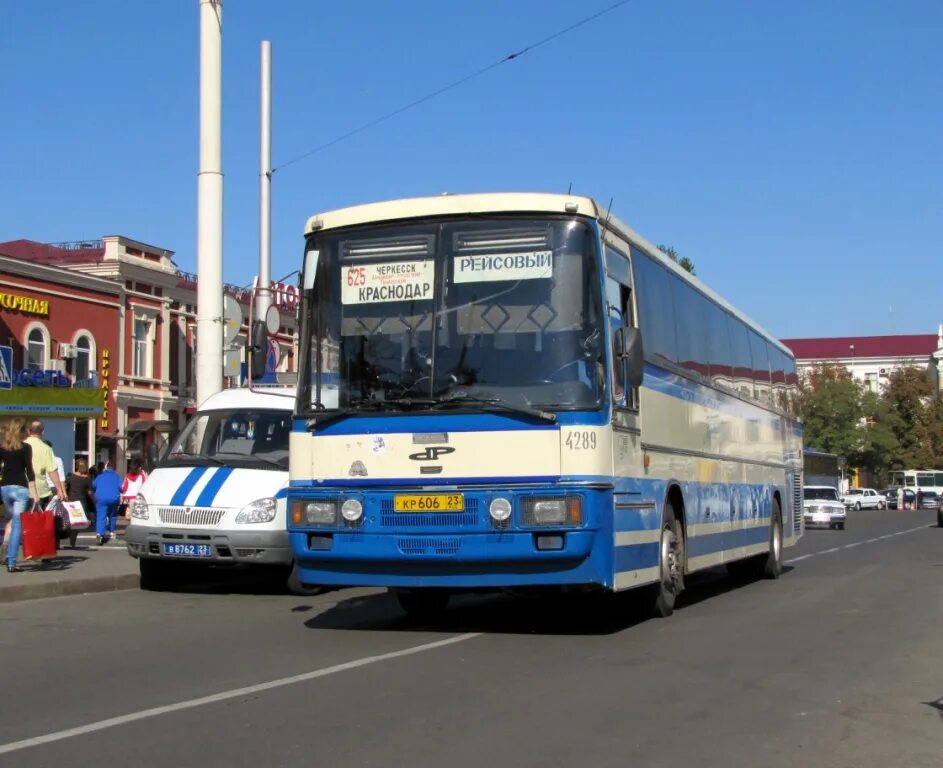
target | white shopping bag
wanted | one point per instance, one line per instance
(74, 514)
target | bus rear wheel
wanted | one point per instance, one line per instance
(423, 604)
(770, 564)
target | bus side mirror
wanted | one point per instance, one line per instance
(258, 349)
(633, 355)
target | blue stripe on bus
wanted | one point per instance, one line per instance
(208, 494)
(180, 495)
(717, 542)
(405, 423)
(636, 556)
(360, 482)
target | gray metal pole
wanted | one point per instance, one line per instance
(263, 293)
(209, 248)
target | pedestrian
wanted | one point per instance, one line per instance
(106, 491)
(131, 486)
(48, 479)
(900, 499)
(17, 484)
(79, 485)
(919, 498)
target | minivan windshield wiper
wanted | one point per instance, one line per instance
(175, 455)
(493, 404)
(321, 418)
(252, 457)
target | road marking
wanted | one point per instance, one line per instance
(857, 544)
(236, 693)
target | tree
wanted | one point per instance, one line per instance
(682, 261)
(840, 416)
(916, 413)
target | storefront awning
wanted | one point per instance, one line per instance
(145, 425)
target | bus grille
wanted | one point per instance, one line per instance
(428, 545)
(465, 519)
(797, 503)
(190, 516)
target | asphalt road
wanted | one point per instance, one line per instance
(836, 664)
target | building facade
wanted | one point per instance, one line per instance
(116, 314)
(872, 359)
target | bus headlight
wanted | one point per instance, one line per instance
(259, 511)
(320, 512)
(352, 510)
(553, 510)
(500, 510)
(139, 508)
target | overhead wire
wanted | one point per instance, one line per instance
(450, 86)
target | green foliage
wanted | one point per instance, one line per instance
(840, 416)
(899, 428)
(916, 413)
(682, 261)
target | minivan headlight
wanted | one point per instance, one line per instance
(139, 508)
(258, 511)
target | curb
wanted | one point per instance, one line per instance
(63, 587)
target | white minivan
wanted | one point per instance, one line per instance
(217, 494)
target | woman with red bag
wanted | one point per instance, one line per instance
(17, 483)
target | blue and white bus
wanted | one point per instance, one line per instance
(505, 391)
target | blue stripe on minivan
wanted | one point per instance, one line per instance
(208, 494)
(180, 495)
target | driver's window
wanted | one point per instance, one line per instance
(621, 315)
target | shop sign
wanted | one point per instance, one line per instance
(104, 374)
(28, 305)
(33, 378)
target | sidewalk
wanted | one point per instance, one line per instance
(87, 568)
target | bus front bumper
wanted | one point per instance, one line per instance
(453, 560)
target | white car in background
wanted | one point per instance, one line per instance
(822, 507)
(864, 498)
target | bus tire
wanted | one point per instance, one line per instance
(422, 604)
(158, 576)
(665, 593)
(293, 585)
(939, 518)
(770, 564)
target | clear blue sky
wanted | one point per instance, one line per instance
(793, 151)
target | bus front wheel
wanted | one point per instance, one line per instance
(670, 566)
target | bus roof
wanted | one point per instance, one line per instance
(515, 202)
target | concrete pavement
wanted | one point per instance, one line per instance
(87, 568)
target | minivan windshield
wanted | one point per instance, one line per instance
(242, 437)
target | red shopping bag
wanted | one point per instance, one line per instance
(39, 534)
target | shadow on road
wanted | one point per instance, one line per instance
(498, 613)
(59, 563)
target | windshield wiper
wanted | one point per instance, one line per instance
(173, 456)
(252, 457)
(359, 406)
(495, 404)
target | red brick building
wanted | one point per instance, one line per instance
(116, 314)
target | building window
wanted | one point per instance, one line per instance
(36, 350)
(871, 382)
(141, 347)
(83, 358)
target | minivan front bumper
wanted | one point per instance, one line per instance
(233, 547)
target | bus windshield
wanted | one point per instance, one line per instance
(454, 311)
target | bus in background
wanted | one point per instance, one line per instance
(529, 394)
(918, 480)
